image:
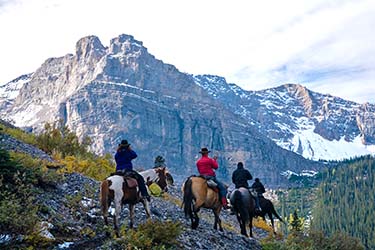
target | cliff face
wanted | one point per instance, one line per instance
(123, 92)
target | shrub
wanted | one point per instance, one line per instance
(96, 167)
(152, 235)
(58, 138)
(19, 134)
(20, 175)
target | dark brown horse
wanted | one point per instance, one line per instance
(243, 206)
(197, 194)
(267, 208)
(122, 190)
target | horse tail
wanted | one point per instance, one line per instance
(275, 213)
(240, 206)
(104, 192)
(188, 198)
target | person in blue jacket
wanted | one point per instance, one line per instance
(123, 157)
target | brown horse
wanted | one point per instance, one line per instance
(197, 194)
(243, 206)
(122, 190)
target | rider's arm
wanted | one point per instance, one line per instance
(133, 154)
(214, 164)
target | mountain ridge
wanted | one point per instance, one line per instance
(291, 113)
(121, 91)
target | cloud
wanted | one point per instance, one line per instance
(255, 44)
(327, 49)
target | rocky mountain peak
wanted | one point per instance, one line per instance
(88, 47)
(124, 44)
(303, 95)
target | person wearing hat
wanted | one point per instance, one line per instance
(259, 189)
(206, 167)
(240, 176)
(123, 157)
(159, 162)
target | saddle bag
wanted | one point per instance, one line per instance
(211, 184)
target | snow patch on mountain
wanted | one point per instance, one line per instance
(306, 173)
(313, 146)
(11, 89)
(26, 116)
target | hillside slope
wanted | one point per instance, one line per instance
(71, 218)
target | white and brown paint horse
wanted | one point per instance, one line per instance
(122, 190)
(160, 176)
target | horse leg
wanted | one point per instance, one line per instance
(105, 202)
(195, 209)
(272, 223)
(194, 220)
(251, 226)
(117, 216)
(217, 219)
(242, 225)
(131, 215)
(146, 205)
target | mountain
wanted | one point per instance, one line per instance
(314, 125)
(124, 92)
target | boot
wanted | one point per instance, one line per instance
(224, 202)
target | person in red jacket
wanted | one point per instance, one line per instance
(206, 167)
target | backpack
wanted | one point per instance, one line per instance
(155, 190)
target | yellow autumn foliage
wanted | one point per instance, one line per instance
(97, 168)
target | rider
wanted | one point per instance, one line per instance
(159, 162)
(259, 189)
(240, 176)
(124, 155)
(206, 166)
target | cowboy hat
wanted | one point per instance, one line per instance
(204, 151)
(124, 143)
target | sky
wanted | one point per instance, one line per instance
(326, 45)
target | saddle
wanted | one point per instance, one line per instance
(129, 178)
(210, 183)
(130, 182)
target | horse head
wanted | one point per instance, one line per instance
(169, 177)
(161, 172)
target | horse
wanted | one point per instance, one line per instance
(160, 176)
(122, 190)
(197, 194)
(243, 205)
(267, 208)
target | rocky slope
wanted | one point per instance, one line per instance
(71, 218)
(123, 92)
